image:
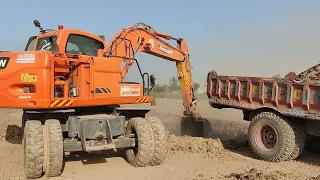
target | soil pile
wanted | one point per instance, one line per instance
(254, 174)
(194, 144)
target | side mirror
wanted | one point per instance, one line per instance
(152, 81)
(36, 23)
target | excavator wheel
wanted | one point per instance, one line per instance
(33, 149)
(53, 148)
(140, 156)
(160, 144)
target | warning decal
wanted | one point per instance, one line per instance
(130, 91)
(26, 77)
(26, 58)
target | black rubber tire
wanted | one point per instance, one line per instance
(33, 149)
(160, 141)
(145, 138)
(312, 144)
(285, 133)
(300, 140)
(53, 146)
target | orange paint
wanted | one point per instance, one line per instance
(93, 69)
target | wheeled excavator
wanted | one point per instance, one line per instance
(70, 86)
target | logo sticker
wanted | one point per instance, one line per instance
(165, 50)
(151, 42)
(24, 97)
(26, 77)
(26, 58)
(4, 61)
(130, 91)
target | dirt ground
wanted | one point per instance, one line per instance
(213, 149)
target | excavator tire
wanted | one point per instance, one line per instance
(33, 149)
(264, 131)
(142, 155)
(53, 148)
(160, 141)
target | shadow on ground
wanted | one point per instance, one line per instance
(94, 158)
(14, 134)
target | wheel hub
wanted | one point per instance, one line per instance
(266, 137)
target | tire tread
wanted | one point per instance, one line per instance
(160, 141)
(33, 153)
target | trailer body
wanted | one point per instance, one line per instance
(275, 107)
(300, 100)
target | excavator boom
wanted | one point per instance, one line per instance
(143, 38)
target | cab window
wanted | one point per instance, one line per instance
(30, 43)
(77, 44)
(47, 44)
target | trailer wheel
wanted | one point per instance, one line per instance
(33, 149)
(300, 140)
(270, 137)
(53, 148)
(312, 144)
(160, 140)
(140, 156)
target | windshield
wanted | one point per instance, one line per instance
(46, 44)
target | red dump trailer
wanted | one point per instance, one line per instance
(282, 111)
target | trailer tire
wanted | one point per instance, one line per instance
(160, 141)
(300, 140)
(272, 128)
(312, 144)
(144, 135)
(53, 148)
(33, 149)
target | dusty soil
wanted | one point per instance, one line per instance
(212, 149)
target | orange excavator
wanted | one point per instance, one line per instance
(70, 86)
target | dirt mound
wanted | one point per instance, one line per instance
(194, 144)
(254, 174)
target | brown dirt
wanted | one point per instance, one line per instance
(212, 149)
(254, 174)
(194, 144)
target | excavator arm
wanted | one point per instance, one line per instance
(143, 38)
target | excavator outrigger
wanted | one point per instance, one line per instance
(70, 86)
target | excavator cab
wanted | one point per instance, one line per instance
(67, 68)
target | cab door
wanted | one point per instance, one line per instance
(98, 79)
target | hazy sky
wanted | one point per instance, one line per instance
(232, 37)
